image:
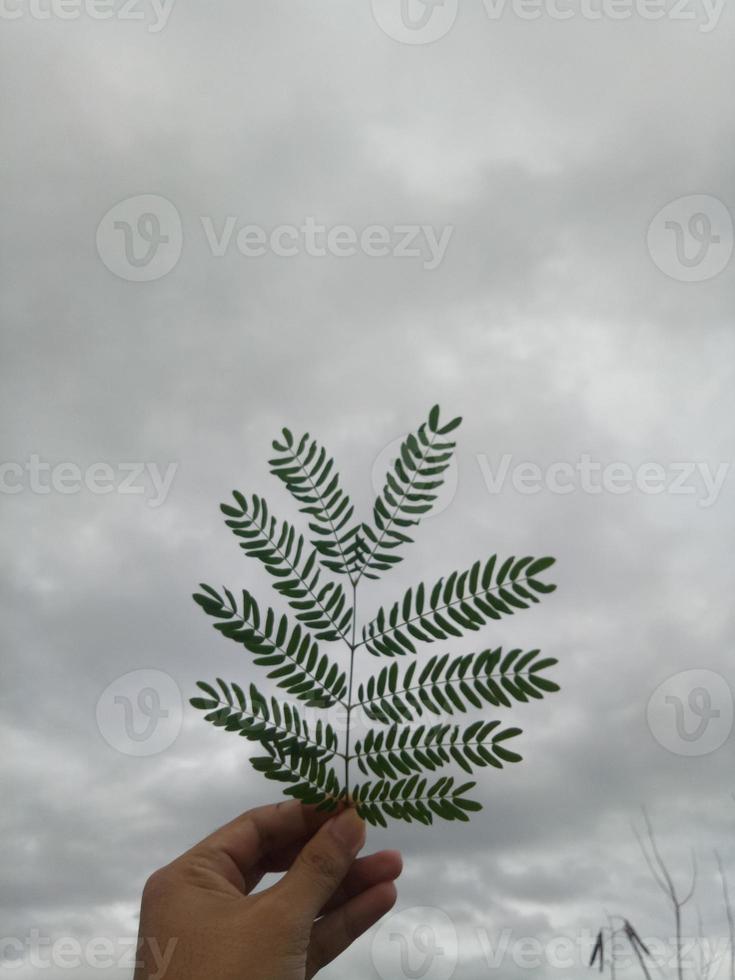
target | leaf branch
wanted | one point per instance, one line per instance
(281, 550)
(462, 601)
(298, 666)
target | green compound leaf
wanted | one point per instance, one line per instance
(455, 685)
(311, 779)
(310, 477)
(403, 750)
(410, 490)
(259, 719)
(306, 750)
(323, 607)
(462, 601)
(412, 799)
(298, 666)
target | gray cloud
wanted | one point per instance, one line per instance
(548, 148)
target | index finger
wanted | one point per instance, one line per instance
(236, 850)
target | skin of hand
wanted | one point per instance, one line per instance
(199, 919)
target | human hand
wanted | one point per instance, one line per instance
(199, 919)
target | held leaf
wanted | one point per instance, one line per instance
(415, 704)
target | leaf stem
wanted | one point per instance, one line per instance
(353, 646)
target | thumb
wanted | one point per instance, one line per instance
(318, 871)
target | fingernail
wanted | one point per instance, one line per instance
(349, 829)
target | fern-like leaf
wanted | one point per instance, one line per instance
(310, 476)
(409, 493)
(259, 719)
(463, 601)
(445, 686)
(401, 751)
(411, 799)
(402, 698)
(312, 780)
(321, 607)
(298, 666)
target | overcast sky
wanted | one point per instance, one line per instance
(530, 223)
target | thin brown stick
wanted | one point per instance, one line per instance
(663, 879)
(728, 913)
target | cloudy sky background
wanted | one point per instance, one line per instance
(548, 147)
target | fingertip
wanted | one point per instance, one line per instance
(387, 895)
(394, 861)
(387, 864)
(334, 933)
(349, 830)
(378, 901)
